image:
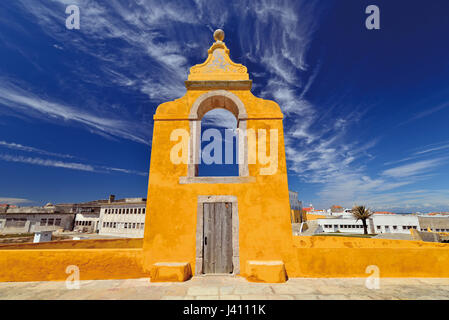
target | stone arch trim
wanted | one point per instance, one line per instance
(240, 107)
(196, 113)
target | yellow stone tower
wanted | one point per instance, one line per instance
(237, 225)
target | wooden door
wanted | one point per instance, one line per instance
(217, 233)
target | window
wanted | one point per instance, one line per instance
(134, 225)
(43, 222)
(127, 211)
(126, 225)
(143, 210)
(50, 222)
(378, 227)
(58, 222)
(395, 227)
(138, 211)
(404, 228)
(114, 225)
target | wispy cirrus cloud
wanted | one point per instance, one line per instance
(413, 169)
(20, 147)
(47, 162)
(13, 201)
(433, 147)
(29, 104)
(66, 165)
(427, 112)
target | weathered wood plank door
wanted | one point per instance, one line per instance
(217, 242)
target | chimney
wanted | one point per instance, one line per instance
(111, 198)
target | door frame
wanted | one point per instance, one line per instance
(200, 232)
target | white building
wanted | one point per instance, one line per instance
(395, 223)
(348, 225)
(378, 223)
(35, 219)
(87, 222)
(123, 218)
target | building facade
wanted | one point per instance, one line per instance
(438, 223)
(34, 219)
(123, 218)
(378, 223)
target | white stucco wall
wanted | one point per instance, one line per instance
(383, 223)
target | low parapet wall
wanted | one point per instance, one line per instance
(340, 257)
(51, 265)
(320, 257)
(77, 244)
(311, 217)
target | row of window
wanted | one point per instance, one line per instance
(354, 226)
(15, 222)
(359, 226)
(83, 223)
(123, 225)
(50, 222)
(396, 227)
(440, 230)
(125, 211)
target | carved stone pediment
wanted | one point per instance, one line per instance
(218, 66)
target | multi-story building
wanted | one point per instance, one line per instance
(87, 217)
(123, 218)
(35, 219)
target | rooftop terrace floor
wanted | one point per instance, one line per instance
(231, 288)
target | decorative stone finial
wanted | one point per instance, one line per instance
(219, 35)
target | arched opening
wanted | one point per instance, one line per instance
(219, 144)
(217, 109)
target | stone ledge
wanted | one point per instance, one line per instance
(266, 271)
(170, 272)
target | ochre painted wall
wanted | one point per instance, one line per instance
(50, 265)
(339, 257)
(311, 217)
(321, 257)
(77, 244)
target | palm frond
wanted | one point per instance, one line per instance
(361, 212)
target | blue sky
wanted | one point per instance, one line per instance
(366, 111)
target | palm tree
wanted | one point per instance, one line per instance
(362, 213)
